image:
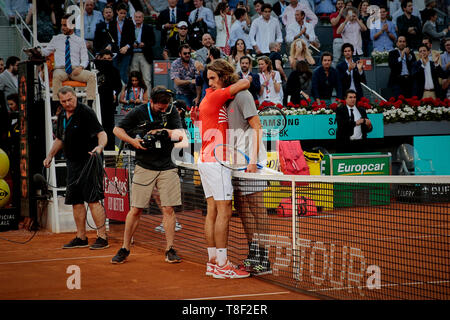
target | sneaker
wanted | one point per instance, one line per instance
(120, 256)
(171, 256)
(262, 268)
(76, 243)
(229, 271)
(160, 228)
(210, 269)
(100, 243)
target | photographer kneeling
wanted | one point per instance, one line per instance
(159, 125)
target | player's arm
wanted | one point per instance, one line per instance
(255, 124)
(240, 85)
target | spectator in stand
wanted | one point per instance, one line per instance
(101, 4)
(325, 7)
(176, 41)
(351, 73)
(202, 54)
(91, 19)
(300, 52)
(240, 28)
(134, 93)
(237, 52)
(294, 5)
(103, 38)
(367, 44)
(132, 6)
(426, 74)
(257, 5)
(429, 29)
(325, 79)
(246, 73)
(336, 20)
(445, 65)
(435, 55)
(152, 7)
(187, 5)
(45, 20)
(9, 82)
(352, 126)
(270, 80)
(123, 34)
(202, 14)
(11, 6)
(168, 19)
(299, 84)
(279, 7)
(351, 29)
(223, 22)
(301, 29)
(385, 36)
(401, 60)
(201, 80)
(71, 60)
(109, 87)
(277, 59)
(428, 10)
(265, 30)
(409, 25)
(182, 73)
(2, 65)
(143, 48)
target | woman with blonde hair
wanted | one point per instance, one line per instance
(270, 80)
(300, 52)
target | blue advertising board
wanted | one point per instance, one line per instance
(306, 127)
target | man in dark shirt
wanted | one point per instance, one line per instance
(409, 25)
(154, 165)
(176, 41)
(246, 72)
(277, 59)
(325, 78)
(82, 139)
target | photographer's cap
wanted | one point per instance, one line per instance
(182, 24)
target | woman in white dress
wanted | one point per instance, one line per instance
(271, 89)
(223, 26)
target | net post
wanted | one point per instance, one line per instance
(294, 213)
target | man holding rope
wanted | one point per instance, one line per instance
(82, 139)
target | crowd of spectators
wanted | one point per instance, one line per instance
(269, 35)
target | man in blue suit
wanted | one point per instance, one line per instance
(325, 78)
(255, 85)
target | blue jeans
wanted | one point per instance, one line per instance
(188, 99)
(122, 63)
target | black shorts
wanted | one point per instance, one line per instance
(82, 186)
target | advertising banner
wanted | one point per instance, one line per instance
(117, 203)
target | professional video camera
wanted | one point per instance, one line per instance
(156, 140)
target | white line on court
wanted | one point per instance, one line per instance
(58, 259)
(242, 295)
(383, 285)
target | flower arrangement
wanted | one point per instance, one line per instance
(380, 57)
(393, 110)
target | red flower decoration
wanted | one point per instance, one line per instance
(303, 103)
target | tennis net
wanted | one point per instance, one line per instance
(384, 237)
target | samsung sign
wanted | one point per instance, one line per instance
(305, 127)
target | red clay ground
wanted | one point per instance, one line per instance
(38, 271)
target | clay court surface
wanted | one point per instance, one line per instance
(37, 270)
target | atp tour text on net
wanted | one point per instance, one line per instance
(327, 265)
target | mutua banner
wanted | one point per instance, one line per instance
(117, 203)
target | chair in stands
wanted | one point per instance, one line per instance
(411, 163)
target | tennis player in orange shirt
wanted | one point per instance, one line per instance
(224, 83)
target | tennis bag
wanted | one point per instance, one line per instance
(305, 207)
(292, 160)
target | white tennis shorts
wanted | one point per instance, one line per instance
(216, 180)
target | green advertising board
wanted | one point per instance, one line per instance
(358, 194)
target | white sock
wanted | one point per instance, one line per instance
(221, 254)
(211, 253)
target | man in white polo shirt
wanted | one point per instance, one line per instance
(265, 30)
